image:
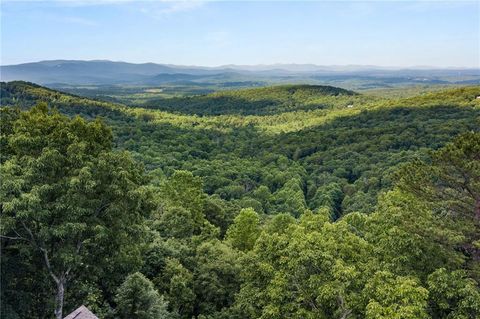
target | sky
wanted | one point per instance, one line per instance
(212, 33)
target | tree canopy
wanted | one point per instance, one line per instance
(292, 205)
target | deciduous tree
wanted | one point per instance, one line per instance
(67, 196)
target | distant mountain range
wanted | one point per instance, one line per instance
(103, 72)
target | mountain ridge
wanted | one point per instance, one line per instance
(103, 72)
(258, 66)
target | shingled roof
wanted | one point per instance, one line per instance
(81, 312)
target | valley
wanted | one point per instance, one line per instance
(230, 175)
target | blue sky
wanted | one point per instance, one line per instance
(386, 33)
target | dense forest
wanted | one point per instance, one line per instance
(292, 201)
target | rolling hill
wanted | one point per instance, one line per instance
(316, 182)
(258, 101)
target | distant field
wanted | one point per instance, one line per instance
(146, 95)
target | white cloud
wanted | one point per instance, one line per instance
(72, 3)
(164, 8)
(179, 6)
(156, 9)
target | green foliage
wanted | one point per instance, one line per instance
(217, 276)
(178, 285)
(284, 204)
(395, 298)
(137, 299)
(290, 198)
(245, 230)
(69, 198)
(267, 100)
(330, 197)
(453, 295)
(184, 189)
(454, 173)
(410, 239)
(450, 183)
(358, 148)
(305, 273)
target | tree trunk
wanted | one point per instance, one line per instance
(477, 210)
(59, 298)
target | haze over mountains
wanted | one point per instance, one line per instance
(104, 72)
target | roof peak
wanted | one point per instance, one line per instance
(81, 312)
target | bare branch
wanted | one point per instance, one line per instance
(102, 208)
(44, 252)
(29, 233)
(14, 238)
(49, 267)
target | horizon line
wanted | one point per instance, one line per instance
(254, 65)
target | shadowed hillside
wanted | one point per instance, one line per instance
(259, 101)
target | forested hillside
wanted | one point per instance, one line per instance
(289, 201)
(270, 100)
